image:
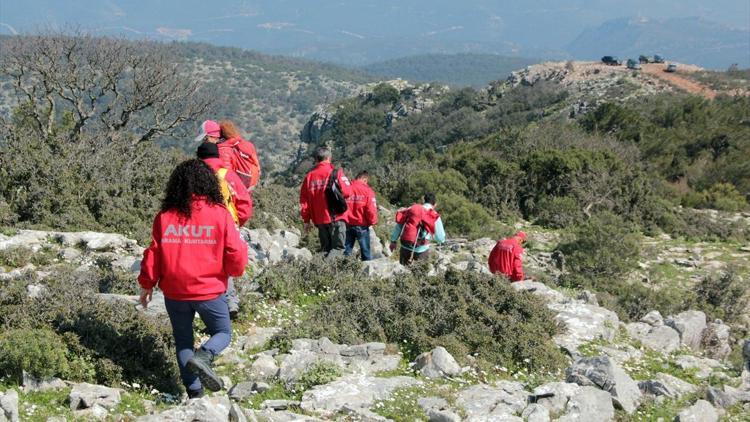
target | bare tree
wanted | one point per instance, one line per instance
(78, 88)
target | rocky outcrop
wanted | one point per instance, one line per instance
(85, 395)
(499, 402)
(701, 411)
(690, 326)
(437, 363)
(652, 333)
(576, 403)
(9, 406)
(715, 342)
(355, 392)
(205, 409)
(601, 372)
(270, 248)
(666, 385)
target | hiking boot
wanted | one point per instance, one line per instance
(195, 394)
(234, 311)
(200, 364)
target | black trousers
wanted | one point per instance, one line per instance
(332, 236)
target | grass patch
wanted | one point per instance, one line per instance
(657, 410)
(38, 406)
(277, 392)
(403, 406)
(652, 363)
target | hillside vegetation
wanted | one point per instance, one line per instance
(475, 70)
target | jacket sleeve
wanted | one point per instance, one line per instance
(235, 250)
(518, 263)
(304, 201)
(439, 231)
(151, 263)
(371, 210)
(241, 198)
(346, 185)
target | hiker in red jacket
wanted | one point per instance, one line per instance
(314, 207)
(506, 257)
(361, 214)
(239, 154)
(195, 247)
(236, 199)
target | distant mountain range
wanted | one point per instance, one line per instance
(359, 32)
(687, 40)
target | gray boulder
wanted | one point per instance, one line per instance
(704, 366)
(661, 338)
(583, 323)
(99, 242)
(701, 411)
(242, 390)
(667, 385)
(601, 372)
(499, 402)
(382, 268)
(85, 395)
(353, 391)
(9, 406)
(589, 404)
(31, 383)
(535, 412)
(259, 337)
(434, 415)
(263, 368)
(653, 318)
(716, 340)
(95, 412)
(204, 409)
(690, 325)
(437, 363)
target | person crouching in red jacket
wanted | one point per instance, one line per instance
(314, 207)
(195, 247)
(506, 257)
(362, 213)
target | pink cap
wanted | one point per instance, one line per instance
(209, 128)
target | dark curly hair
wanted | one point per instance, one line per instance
(189, 178)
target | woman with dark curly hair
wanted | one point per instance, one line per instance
(195, 247)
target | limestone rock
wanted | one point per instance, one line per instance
(353, 391)
(701, 411)
(715, 341)
(535, 412)
(263, 368)
(605, 374)
(95, 412)
(382, 268)
(690, 325)
(85, 395)
(666, 385)
(259, 337)
(661, 338)
(434, 415)
(653, 318)
(499, 402)
(589, 404)
(242, 390)
(540, 289)
(704, 366)
(437, 363)
(31, 383)
(583, 323)
(204, 409)
(9, 405)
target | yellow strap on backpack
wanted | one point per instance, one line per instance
(226, 193)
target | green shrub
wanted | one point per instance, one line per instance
(467, 313)
(40, 352)
(275, 207)
(603, 248)
(320, 373)
(721, 196)
(724, 296)
(462, 217)
(696, 225)
(384, 93)
(558, 212)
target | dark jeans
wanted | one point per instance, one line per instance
(359, 234)
(332, 236)
(406, 256)
(215, 314)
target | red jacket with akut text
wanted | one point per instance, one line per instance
(192, 258)
(312, 195)
(506, 258)
(363, 208)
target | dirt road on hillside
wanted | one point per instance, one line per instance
(679, 81)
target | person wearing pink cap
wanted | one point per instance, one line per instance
(507, 257)
(210, 132)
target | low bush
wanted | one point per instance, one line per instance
(721, 196)
(558, 212)
(467, 313)
(275, 207)
(114, 341)
(724, 296)
(39, 352)
(462, 217)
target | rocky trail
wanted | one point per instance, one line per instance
(616, 370)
